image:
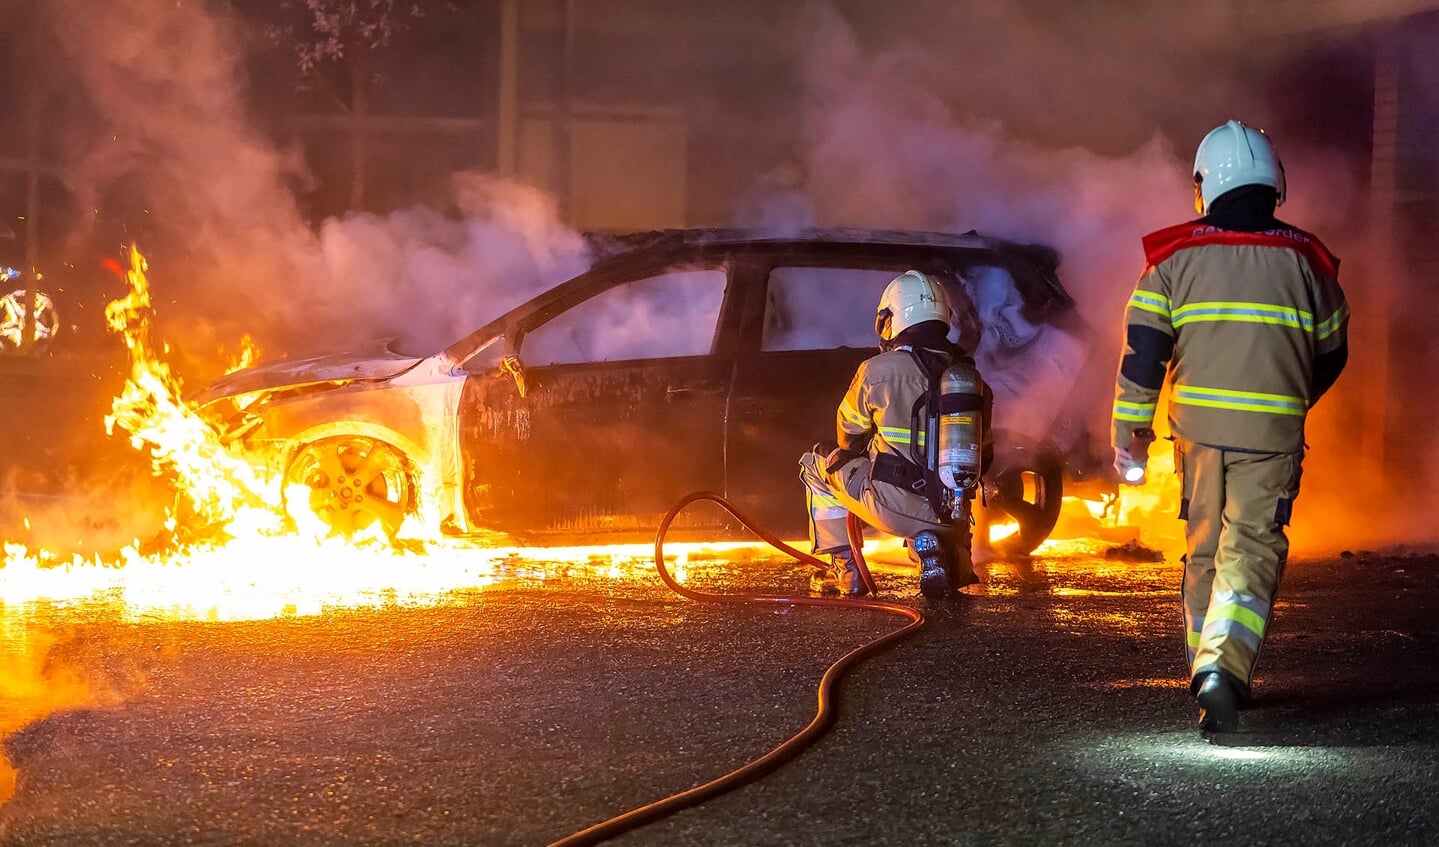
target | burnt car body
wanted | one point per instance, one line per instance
(681, 360)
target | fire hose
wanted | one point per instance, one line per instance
(824, 713)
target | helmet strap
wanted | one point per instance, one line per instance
(882, 320)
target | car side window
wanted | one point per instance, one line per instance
(675, 313)
(816, 308)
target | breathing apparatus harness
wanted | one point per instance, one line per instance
(946, 435)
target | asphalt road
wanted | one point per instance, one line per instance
(1046, 708)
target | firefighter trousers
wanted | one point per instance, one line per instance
(1235, 506)
(888, 508)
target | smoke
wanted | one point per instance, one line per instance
(165, 81)
(882, 146)
(1069, 125)
(429, 279)
(936, 130)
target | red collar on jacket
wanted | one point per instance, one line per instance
(1160, 245)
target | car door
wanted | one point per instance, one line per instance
(815, 327)
(623, 410)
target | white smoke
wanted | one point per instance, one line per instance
(165, 82)
(881, 147)
(429, 279)
(917, 125)
(919, 135)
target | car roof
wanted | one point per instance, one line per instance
(604, 245)
(608, 250)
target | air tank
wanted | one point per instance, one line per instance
(961, 427)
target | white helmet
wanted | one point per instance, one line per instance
(1232, 155)
(910, 298)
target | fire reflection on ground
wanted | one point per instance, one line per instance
(66, 625)
(65, 631)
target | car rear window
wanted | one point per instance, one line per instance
(672, 314)
(813, 308)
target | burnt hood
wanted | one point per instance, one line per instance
(294, 373)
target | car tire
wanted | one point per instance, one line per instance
(350, 486)
(1026, 486)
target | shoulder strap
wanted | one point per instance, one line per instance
(925, 406)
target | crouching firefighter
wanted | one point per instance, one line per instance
(914, 438)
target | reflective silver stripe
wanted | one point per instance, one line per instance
(853, 415)
(1231, 628)
(1193, 631)
(1331, 324)
(1240, 616)
(1243, 312)
(1234, 598)
(829, 513)
(1150, 301)
(1136, 412)
(1241, 401)
(898, 435)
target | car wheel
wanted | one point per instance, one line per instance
(1026, 489)
(352, 484)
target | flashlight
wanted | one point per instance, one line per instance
(1133, 471)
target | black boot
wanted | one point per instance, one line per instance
(933, 575)
(1218, 703)
(961, 566)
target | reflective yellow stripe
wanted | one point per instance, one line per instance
(1242, 312)
(897, 435)
(1247, 618)
(1149, 301)
(818, 499)
(1193, 637)
(1331, 324)
(1242, 401)
(853, 415)
(1137, 412)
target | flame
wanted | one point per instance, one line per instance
(1003, 529)
(225, 491)
(1154, 506)
(233, 555)
(247, 357)
(237, 556)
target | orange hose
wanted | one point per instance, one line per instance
(824, 713)
(854, 528)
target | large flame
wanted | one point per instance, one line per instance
(231, 554)
(234, 555)
(222, 488)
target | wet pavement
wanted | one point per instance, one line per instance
(1047, 707)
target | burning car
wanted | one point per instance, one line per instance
(680, 360)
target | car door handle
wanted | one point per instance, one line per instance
(703, 389)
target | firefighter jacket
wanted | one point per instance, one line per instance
(1249, 328)
(878, 411)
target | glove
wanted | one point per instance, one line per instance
(839, 458)
(1129, 464)
(1123, 461)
